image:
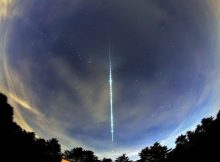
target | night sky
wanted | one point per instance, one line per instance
(54, 67)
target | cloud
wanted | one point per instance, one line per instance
(23, 103)
(5, 6)
(93, 94)
(9, 9)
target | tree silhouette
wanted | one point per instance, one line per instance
(155, 153)
(88, 156)
(22, 145)
(106, 160)
(74, 155)
(6, 111)
(191, 136)
(54, 149)
(218, 116)
(181, 140)
(79, 155)
(122, 158)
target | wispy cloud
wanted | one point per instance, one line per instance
(5, 8)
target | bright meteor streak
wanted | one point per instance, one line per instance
(110, 88)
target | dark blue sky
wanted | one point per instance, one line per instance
(55, 69)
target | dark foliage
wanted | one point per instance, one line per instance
(202, 144)
(154, 153)
(107, 160)
(80, 155)
(19, 145)
(122, 158)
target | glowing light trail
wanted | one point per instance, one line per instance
(110, 90)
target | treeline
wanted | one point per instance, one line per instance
(17, 145)
(202, 144)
